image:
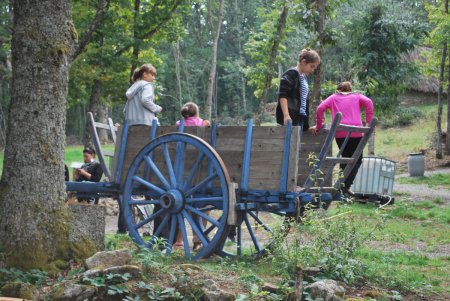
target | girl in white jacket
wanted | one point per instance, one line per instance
(140, 107)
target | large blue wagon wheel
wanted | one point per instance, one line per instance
(256, 233)
(183, 183)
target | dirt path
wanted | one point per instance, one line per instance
(422, 191)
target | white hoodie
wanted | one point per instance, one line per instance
(140, 107)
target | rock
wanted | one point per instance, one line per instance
(20, 290)
(329, 290)
(190, 268)
(310, 272)
(107, 259)
(269, 287)
(90, 274)
(134, 271)
(87, 231)
(212, 292)
(69, 291)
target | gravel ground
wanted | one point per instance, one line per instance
(420, 192)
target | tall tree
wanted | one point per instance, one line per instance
(275, 41)
(215, 32)
(318, 76)
(439, 38)
(34, 224)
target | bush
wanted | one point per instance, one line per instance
(328, 242)
(401, 117)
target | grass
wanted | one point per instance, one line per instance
(410, 252)
(397, 143)
(432, 181)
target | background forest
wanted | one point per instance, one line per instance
(227, 56)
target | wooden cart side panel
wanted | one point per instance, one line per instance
(310, 144)
(266, 158)
(138, 137)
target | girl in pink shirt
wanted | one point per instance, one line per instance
(190, 114)
(349, 105)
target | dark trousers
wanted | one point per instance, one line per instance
(350, 148)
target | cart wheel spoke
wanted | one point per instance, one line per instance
(169, 166)
(173, 228)
(202, 184)
(182, 227)
(148, 184)
(200, 234)
(193, 171)
(157, 172)
(252, 234)
(149, 219)
(259, 221)
(143, 202)
(180, 155)
(203, 215)
(158, 231)
(204, 199)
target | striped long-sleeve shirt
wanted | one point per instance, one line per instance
(304, 90)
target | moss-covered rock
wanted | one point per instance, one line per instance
(69, 291)
(20, 290)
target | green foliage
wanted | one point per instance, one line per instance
(333, 245)
(113, 284)
(401, 116)
(34, 276)
(384, 33)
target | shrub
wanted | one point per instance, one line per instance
(401, 117)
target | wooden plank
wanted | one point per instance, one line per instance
(353, 129)
(113, 130)
(101, 126)
(293, 159)
(233, 215)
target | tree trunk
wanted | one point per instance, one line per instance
(34, 221)
(271, 65)
(447, 141)
(318, 76)
(212, 71)
(440, 102)
(137, 8)
(178, 72)
(241, 62)
(447, 138)
(99, 111)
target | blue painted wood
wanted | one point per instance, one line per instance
(286, 153)
(324, 151)
(247, 156)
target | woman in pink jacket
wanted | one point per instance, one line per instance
(349, 104)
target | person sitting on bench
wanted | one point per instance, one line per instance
(90, 171)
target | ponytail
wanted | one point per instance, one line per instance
(139, 72)
(309, 55)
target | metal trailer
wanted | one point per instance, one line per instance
(171, 182)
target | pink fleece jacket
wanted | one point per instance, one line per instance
(192, 121)
(350, 106)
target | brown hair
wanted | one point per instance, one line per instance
(344, 87)
(309, 55)
(89, 150)
(189, 109)
(139, 72)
